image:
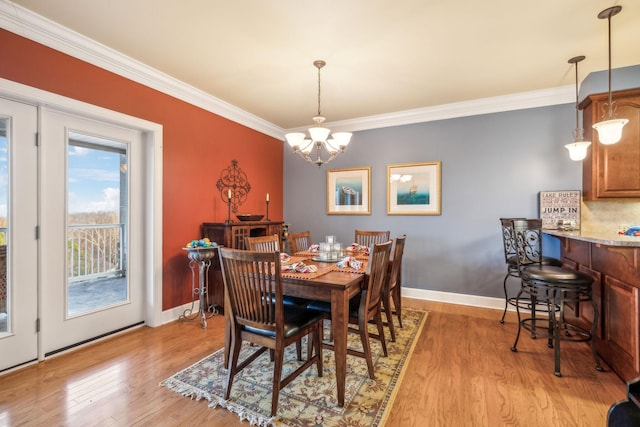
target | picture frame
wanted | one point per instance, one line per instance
(414, 189)
(349, 191)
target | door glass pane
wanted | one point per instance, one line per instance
(96, 224)
(4, 204)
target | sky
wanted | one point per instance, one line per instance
(94, 179)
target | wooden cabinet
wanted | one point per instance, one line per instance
(616, 272)
(232, 235)
(612, 171)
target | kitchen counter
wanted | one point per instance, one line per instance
(609, 238)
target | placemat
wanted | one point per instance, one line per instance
(361, 270)
(358, 255)
(306, 254)
(318, 273)
(294, 259)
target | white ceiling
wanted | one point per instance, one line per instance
(382, 56)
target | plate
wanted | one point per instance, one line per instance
(317, 258)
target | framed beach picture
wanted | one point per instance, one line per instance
(414, 189)
(349, 191)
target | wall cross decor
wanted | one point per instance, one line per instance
(233, 186)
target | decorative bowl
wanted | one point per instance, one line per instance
(249, 217)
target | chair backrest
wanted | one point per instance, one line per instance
(263, 243)
(253, 288)
(368, 238)
(528, 241)
(396, 257)
(508, 238)
(377, 273)
(300, 241)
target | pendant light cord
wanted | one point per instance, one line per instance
(610, 97)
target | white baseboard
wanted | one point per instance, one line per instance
(454, 298)
(421, 294)
(174, 313)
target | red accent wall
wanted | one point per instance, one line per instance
(197, 146)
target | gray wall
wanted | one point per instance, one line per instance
(493, 166)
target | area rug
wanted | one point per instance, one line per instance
(308, 400)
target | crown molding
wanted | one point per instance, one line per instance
(476, 107)
(30, 25)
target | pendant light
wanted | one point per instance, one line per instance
(610, 130)
(578, 148)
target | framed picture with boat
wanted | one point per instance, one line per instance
(414, 189)
(349, 191)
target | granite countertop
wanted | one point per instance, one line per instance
(610, 238)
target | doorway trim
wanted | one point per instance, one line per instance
(152, 139)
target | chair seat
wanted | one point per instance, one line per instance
(295, 319)
(556, 275)
(325, 307)
(294, 301)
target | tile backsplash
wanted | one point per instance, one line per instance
(609, 215)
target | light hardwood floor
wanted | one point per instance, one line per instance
(462, 373)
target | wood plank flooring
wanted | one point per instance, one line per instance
(462, 373)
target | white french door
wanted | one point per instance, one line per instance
(18, 214)
(66, 135)
(42, 259)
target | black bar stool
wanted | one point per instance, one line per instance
(514, 266)
(550, 287)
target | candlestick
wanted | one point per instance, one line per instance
(229, 208)
(267, 216)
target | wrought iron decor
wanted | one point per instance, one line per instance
(233, 186)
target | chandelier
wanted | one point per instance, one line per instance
(311, 149)
(610, 130)
(578, 148)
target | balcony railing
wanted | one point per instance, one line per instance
(95, 251)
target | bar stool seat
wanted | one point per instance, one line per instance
(556, 275)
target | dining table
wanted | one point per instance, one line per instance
(329, 283)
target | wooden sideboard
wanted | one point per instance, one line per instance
(616, 290)
(232, 235)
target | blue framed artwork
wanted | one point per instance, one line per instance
(349, 191)
(414, 189)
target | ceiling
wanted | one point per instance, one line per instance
(382, 56)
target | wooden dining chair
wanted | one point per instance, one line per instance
(263, 243)
(391, 289)
(299, 242)
(272, 244)
(249, 276)
(366, 305)
(368, 238)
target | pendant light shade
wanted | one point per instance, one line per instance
(578, 148)
(610, 130)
